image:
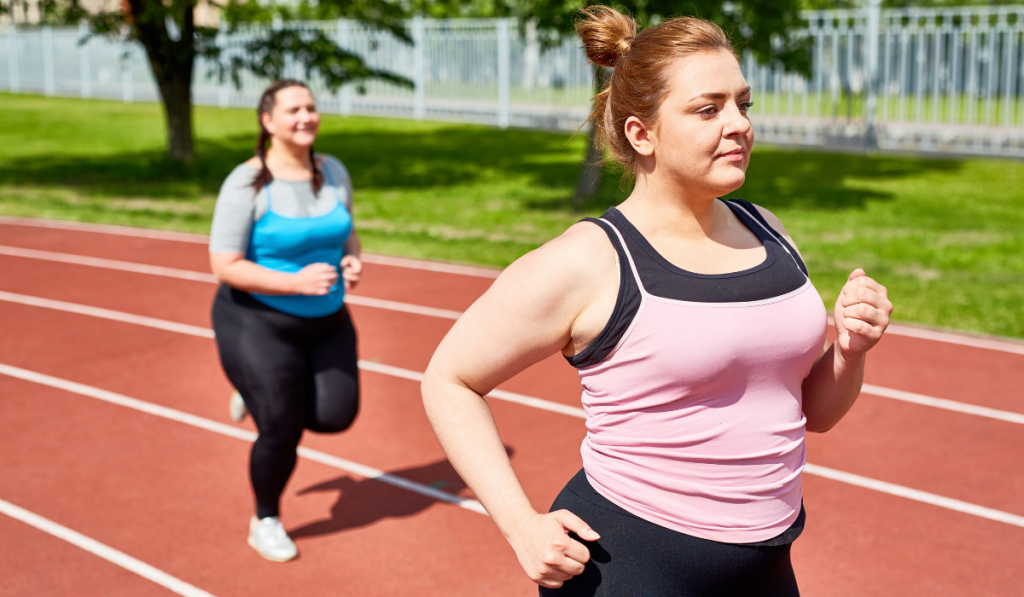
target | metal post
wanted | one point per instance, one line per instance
(871, 41)
(84, 66)
(49, 79)
(343, 37)
(504, 73)
(13, 81)
(419, 65)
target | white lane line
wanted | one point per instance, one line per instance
(170, 272)
(126, 266)
(473, 505)
(914, 494)
(961, 339)
(104, 551)
(184, 274)
(235, 432)
(539, 403)
(201, 332)
(432, 266)
(185, 237)
(202, 239)
(152, 322)
(893, 329)
(365, 301)
(952, 405)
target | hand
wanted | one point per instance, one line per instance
(351, 271)
(315, 279)
(861, 314)
(545, 550)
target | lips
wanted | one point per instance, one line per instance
(738, 153)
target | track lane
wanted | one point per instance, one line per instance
(40, 565)
(894, 360)
(188, 515)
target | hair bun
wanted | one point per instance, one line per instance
(607, 34)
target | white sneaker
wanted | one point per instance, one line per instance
(236, 408)
(267, 537)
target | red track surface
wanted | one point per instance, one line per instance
(177, 497)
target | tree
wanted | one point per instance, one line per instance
(764, 27)
(172, 40)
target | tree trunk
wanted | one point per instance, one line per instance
(177, 99)
(172, 60)
(589, 182)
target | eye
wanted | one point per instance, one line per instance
(708, 112)
(744, 106)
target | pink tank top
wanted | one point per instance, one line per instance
(694, 418)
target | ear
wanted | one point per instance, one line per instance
(267, 122)
(639, 136)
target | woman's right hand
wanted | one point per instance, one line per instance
(315, 279)
(546, 551)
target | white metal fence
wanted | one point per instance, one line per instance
(942, 80)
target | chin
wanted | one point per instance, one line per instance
(724, 185)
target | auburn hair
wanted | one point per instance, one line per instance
(266, 105)
(641, 64)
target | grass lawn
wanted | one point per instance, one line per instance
(944, 235)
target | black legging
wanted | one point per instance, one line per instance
(637, 558)
(294, 373)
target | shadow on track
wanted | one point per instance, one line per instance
(362, 502)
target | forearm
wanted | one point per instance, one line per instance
(467, 432)
(831, 388)
(353, 246)
(247, 276)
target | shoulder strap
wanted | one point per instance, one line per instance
(625, 257)
(749, 208)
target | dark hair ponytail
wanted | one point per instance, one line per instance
(266, 105)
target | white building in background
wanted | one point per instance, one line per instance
(27, 12)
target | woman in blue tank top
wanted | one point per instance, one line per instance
(285, 250)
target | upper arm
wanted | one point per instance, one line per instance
(340, 176)
(526, 315)
(233, 214)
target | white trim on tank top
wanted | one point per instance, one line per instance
(644, 295)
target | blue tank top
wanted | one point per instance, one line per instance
(289, 244)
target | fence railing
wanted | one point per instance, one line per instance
(925, 80)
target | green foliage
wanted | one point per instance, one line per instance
(765, 27)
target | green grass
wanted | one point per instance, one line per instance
(943, 235)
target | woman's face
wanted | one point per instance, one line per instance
(293, 119)
(703, 137)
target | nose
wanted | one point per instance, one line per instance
(737, 124)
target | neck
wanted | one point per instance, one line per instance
(660, 204)
(286, 155)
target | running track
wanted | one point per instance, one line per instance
(121, 474)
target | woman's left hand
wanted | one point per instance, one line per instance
(351, 271)
(861, 314)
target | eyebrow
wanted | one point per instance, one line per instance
(719, 96)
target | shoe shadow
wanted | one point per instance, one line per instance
(362, 502)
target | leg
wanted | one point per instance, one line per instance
(333, 396)
(272, 374)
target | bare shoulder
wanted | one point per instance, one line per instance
(569, 269)
(580, 252)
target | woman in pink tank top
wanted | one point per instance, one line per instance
(697, 336)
